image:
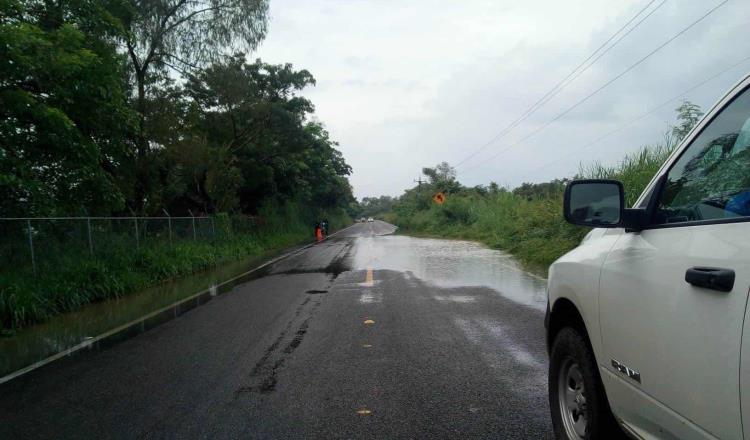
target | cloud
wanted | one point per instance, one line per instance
(402, 85)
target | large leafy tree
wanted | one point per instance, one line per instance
(245, 138)
(95, 119)
(442, 177)
(63, 108)
(181, 35)
(323, 171)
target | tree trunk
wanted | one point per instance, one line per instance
(141, 160)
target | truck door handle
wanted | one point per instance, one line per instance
(714, 278)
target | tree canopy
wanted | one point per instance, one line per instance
(63, 108)
(372, 206)
(118, 105)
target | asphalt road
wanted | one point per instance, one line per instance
(325, 344)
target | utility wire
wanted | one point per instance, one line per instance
(605, 85)
(637, 118)
(575, 73)
(610, 47)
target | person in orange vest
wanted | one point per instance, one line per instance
(318, 232)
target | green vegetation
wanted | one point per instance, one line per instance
(376, 206)
(72, 278)
(526, 221)
(121, 107)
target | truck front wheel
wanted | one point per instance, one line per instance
(576, 396)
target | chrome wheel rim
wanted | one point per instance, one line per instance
(572, 399)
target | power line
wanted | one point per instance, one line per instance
(637, 118)
(605, 85)
(612, 46)
(567, 79)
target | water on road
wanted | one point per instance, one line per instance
(365, 335)
(448, 263)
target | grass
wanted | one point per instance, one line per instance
(530, 227)
(73, 279)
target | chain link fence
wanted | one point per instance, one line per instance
(41, 243)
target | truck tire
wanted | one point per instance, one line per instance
(576, 396)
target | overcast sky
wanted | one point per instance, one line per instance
(407, 84)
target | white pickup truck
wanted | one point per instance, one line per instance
(648, 325)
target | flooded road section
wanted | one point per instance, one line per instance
(365, 335)
(449, 263)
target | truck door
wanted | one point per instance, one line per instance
(673, 296)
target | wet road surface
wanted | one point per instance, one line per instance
(366, 335)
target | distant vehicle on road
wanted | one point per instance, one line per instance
(370, 219)
(362, 220)
(647, 319)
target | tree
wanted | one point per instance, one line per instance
(549, 189)
(183, 35)
(688, 114)
(324, 170)
(238, 136)
(92, 120)
(442, 177)
(63, 109)
(253, 123)
(441, 173)
(372, 206)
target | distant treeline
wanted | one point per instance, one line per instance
(527, 220)
(119, 106)
(376, 206)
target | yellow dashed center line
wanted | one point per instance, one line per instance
(369, 282)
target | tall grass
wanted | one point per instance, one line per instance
(635, 170)
(533, 229)
(79, 279)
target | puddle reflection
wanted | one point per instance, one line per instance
(450, 263)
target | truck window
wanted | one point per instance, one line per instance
(711, 179)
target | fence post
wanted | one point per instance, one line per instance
(169, 222)
(137, 238)
(31, 245)
(193, 217)
(91, 243)
(213, 229)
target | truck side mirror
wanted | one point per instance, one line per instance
(597, 203)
